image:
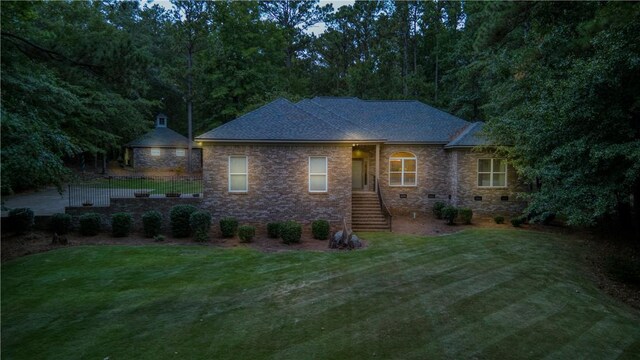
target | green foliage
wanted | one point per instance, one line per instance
(72, 83)
(200, 222)
(21, 219)
(438, 206)
(151, 223)
(179, 218)
(273, 230)
(320, 229)
(571, 115)
(158, 238)
(121, 224)
(465, 215)
(228, 227)
(60, 223)
(246, 233)
(518, 221)
(90, 224)
(450, 213)
(499, 219)
(291, 232)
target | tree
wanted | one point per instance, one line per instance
(191, 25)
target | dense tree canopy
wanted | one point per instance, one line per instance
(557, 82)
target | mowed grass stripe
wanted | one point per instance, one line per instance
(473, 294)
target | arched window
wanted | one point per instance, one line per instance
(402, 169)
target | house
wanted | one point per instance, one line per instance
(162, 149)
(337, 158)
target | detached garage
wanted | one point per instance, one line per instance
(162, 149)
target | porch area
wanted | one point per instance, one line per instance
(368, 210)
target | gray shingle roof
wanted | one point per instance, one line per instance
(161, 137)
(469, 137)
(280, 120)
(341, 119)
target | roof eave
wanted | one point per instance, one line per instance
(285, 141)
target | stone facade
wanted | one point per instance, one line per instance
(465, 191)
(135, 206)
(278, 184)
(167, 160)
(432, 180)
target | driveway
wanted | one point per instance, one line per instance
(48, 201)
(44, 202)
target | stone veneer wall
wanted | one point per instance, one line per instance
(137, 207)
(432, 178)
(142, 159)
(464, 186)
(278, 184)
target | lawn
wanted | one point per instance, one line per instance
(153, 185)
(475, 294)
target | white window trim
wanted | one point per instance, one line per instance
(184, 152)
(491, 173)
(402, 171)
(246, 173)
(325, 173)
(158, 152)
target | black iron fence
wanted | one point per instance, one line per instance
(99, 192)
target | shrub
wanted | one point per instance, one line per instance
(158, 238)
(320, 229)
(465, 215)
(450, 213)
(151, 223)
(547, 217)
(290, 232)
(228, 227)
(121, 224)
(179, 218)
(499, 219)
(89, 224)
(246, 233)
(273, 230)
(438, 206)
(517, 221)
(200, 222)
(60, 223)
(21, 219)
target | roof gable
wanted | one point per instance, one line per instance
(470, 137)
(161, 137)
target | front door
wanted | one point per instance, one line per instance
(357, 173)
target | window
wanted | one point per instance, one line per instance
(492, 172)
(238, 174)
(155, 152)
(318, 174)
(180, 152)
(402, 169)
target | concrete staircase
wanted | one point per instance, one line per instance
(366, 214)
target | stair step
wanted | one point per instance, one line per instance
(370, 224)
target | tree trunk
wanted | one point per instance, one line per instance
(189, 107)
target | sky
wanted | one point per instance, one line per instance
(316, 29)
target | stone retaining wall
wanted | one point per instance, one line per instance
(136, 207)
